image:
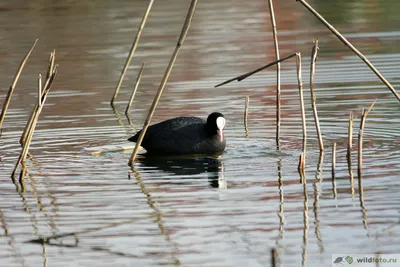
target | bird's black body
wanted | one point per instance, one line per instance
(184, 135)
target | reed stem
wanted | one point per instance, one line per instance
(181, 39)
(347, 43)
(303, 114)
(360, 138)
(135, 88)
(313, 96)
(14, 83)
(246, 115)
(278, 74)
(132, 51)
(248, 74)
(50, 72)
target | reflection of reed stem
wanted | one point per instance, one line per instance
(134, 89)
(13, 84)
(278, 74)
(348, 44)
(302, 164)
(248, 74)
(313, 96)
(305, 219)
(281, 214)
(132, 51)
(246, 115)
(317, 193)
(182, 37)
(273, 257)
(348, 155)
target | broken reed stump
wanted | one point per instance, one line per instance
(302, 162)
(278, 74)
(14, 83)
(360, 138)
(246, 115)
(132, 51)
(348, 44)
(313, 96)
(135, 89)
(50, 70)
(179, 44)
(333, 170)
(41, 99)
(348, 154)
(250, 73)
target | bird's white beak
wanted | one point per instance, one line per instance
(220, 126)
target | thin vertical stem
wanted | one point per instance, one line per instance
(182, 37)
(246, 115)
(135, 88)
(360, 138)
(313, 96)
(348, 155)
(278, 74)
(132, 51)
(303, 115)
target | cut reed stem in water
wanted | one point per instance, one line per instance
(49, 75)
(313, 96)
(333, 171)
(347, 43)
(135, 88)
(360, 138)
(246, 115)
(164, 80)
(303, 114)
(248, 74)
(132, 51)
(13, 84)
(333, 160)
(278, 74)
(26, 144)
(348, 154)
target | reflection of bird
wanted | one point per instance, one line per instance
(186, 166)
(185, 135)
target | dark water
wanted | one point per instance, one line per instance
(229, 211)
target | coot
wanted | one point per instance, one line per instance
(185, 135)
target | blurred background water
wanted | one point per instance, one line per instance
(229, 211)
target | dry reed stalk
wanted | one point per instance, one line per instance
(333, 160)
(248, 74)
(132, 51)
(303, 114)
(313, 96)
(14, 83)
(348, 155)
(360, 138)
(246, 115)
(278, 74)
(26, 144)
(182, 37)
(347, 43)
(50, 72)
(135, 88)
